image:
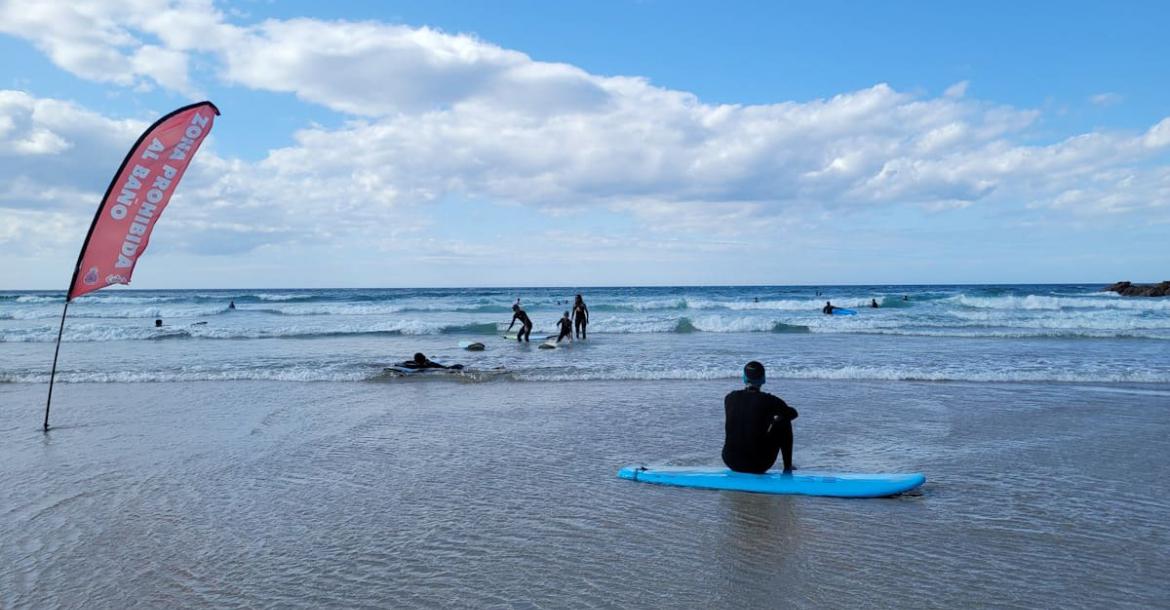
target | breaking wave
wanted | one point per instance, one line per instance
(87, 332)
(1058, 303)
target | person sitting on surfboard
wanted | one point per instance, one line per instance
(420, 361)
(525, 323)
(828, 308)
(873, 303)
(758, 426)
(566, 327)
(580, 316)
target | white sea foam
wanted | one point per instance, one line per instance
(371, 372)
(332, 309)
(1052, 303)
(118, 299)
(971, 323)
(77, 331)
(145, 313)
(857, 373)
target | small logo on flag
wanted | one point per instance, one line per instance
(91, 277)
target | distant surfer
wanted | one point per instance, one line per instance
(828, 308)
(232, 304)
(905, 298)
(566, 326)
(525, 322)
(420, 361)
(758, 426)
(580, 316)
(158, 323)
(873, 303)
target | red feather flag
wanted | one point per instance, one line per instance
(132, 205)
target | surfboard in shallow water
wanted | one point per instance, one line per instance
(832, 484)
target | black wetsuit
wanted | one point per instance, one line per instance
(580, 319)
(754, 435)
(525, 325)
(566, 328)
(426, 364)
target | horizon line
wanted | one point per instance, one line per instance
(585, 286)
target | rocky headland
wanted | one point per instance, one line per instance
(1128, 289)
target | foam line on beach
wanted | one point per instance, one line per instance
(369, 372)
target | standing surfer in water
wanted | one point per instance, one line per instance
(580, 316)
(566, 326)
(758, 426)
(525, 323)
(828, 308)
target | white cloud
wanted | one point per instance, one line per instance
(374, 69)
(110, 41)
(50, 146)
(25, 233)
(440, 114)
(1106, 99)
(957, 90)
(1158, 136)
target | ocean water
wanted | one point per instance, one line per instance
(264, 458)
(1067, 333)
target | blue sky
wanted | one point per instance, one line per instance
(533, 143)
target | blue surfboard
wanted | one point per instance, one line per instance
(841, 311)
(802, 483)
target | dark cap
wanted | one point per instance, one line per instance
(753, 372)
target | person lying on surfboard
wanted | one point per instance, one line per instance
(525, 323)
(758, 426)
(420, 361)
(566, 328)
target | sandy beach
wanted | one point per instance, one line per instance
(446, 494)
